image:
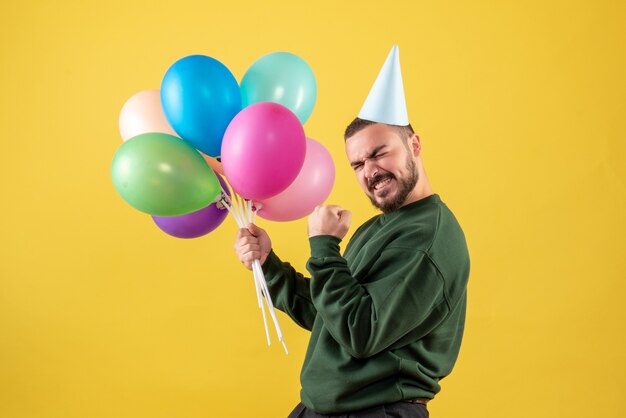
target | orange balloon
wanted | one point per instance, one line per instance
(214, 164)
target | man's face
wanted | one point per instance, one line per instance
(383, 164)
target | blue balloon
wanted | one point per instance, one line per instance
(200, 97)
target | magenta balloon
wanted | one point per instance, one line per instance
(263, 150)
(309, 189)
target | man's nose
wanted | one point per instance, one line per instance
(370, 169)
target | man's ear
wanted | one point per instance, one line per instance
(415, 145)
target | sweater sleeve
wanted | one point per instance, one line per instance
(402, 294)
(290, 291)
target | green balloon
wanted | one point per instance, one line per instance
(283, 78)
(163, 175)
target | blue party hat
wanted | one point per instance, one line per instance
(385, 102)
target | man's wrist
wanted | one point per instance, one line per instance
(324, 246)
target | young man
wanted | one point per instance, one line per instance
(387, 316)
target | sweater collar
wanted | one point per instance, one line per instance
(433, 198)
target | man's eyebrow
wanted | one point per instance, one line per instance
(372, 155)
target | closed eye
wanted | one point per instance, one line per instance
(376, 154)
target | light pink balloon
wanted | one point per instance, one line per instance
(311, 188)
(263, 150)
(142, 113)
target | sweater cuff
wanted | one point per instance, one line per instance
(324, 246)
(271, 266)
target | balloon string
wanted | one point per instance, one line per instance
(268, 300)
(260, 284)
(240, 208)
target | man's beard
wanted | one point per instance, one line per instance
(405, 186)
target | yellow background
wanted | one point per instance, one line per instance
(520, 107)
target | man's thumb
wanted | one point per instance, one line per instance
(346, 216)
(254, 230)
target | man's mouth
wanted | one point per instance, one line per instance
(379, 183)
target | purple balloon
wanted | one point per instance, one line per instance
(194, 224)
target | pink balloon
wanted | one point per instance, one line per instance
(263, 150)
(309, 189)
(141, 114)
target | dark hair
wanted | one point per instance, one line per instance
(358, 124)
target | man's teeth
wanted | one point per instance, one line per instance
(381, 184)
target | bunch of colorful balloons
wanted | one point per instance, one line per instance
(202, 124)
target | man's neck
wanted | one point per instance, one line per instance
(422, 189)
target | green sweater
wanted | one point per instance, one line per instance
(387, 318)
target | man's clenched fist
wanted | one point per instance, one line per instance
(329, 220)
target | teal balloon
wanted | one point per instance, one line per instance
(163, 175)
(283, 78)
